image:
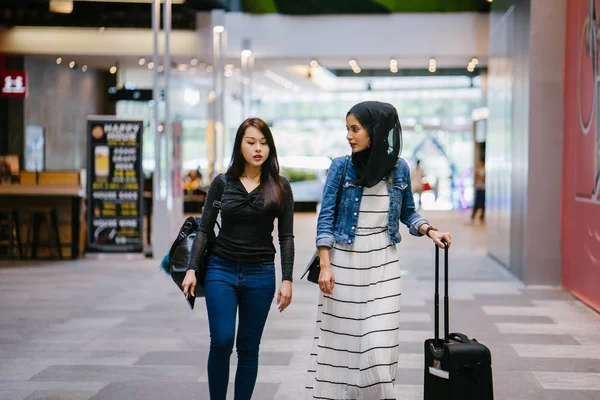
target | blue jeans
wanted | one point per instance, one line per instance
(229, 286)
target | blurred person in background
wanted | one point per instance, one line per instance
(416, 177)
(355, 351)
(240, 275)
(479, 186)
(192, 183)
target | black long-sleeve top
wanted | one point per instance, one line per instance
(246, 229)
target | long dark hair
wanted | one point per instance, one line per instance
(270, 182)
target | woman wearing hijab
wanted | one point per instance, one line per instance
(355, 353)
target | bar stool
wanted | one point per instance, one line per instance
(9, 218)
(48, 215)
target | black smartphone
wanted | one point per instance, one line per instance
(191, 300)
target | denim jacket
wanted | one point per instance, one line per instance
(402, 205)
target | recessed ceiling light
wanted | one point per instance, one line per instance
(61, 6)
(142, 61)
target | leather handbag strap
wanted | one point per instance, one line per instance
(217, 203)
(339, 191)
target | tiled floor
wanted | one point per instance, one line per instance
(117, 328)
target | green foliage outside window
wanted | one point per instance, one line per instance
(297, 175)
(308, 7)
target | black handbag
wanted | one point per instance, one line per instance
(177, 261)
(313, 270)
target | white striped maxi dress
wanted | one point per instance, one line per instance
(355, 351)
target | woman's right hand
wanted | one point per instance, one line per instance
(189, 283)
(326, 278)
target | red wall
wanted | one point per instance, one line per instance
(581, 162)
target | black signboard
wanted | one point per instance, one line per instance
(115, 189)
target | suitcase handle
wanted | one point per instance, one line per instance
(460, 337)
(436, 299)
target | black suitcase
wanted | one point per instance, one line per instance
(457, 368)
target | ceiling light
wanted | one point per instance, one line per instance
(229, 67)
(393, 62)
(352, 63)
(475, 61)
(58, 60)
(72, 64)
(356, 70)
(246, 53)
(160, 68)
(218, 29)
(432, 69)
(142, 61)
(61, 6)
(194, 61)
(314, 63)
(84, 68)
(101, 29)
(209, 68)
(150, 65)
(281, 80)
(182, 67)
(113, 70)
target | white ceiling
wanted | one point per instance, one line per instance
(283, 45)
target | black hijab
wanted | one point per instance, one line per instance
(381, 121)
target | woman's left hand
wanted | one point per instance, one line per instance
(284, 296)
(440, 237)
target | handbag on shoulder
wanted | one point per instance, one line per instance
(177, 260)
(313, 270)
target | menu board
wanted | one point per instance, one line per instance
(115, 184)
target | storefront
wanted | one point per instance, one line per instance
(581, 185)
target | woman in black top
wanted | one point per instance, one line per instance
(240, 272)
